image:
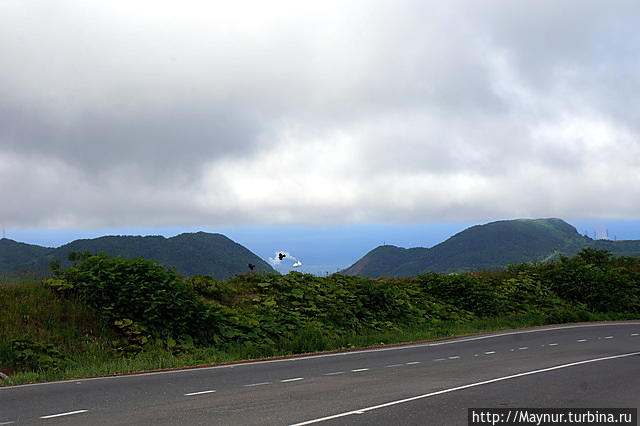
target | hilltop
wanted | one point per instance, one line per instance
(199, 253)
(490, 246)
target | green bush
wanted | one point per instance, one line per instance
(464, 291)
(592, 279)
(138, 290)
(27, 354)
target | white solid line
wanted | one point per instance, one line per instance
(335, 373)
(457, 388)
(292, 380)
(524, 348)
(51, 416)
(256, 384)
(581, 340)
(394, 365)
(199, 393)
(413, 363)
(609, 337)
(454, 357)
(334, 354)
(490, 352)
(553, 344)
(357, 370)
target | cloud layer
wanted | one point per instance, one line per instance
(159, 114)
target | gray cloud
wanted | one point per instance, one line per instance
(151, 114)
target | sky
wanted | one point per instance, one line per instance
(297, 121)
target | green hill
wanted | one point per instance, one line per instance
(491, 246)
(191, 254)
(15, 256)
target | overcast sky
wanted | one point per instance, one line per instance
(329, 113)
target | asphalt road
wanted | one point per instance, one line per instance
(588, 365)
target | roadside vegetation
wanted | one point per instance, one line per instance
(108, 315)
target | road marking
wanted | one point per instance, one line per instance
(609, 337)
(357, 370)
(635, 334)
(7, 423)
(335, 373)
(394, 365)
(454, 357)
(256, 384)
(457, 388)
(296, 379)
(490, 353)
(511, 350)
(68, 413)
(413, 363)
(327, 355)
(440, 359)
(581, 340)
(199, 393)
(524, 348)
(553, 344)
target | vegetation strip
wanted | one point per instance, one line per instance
(107, 315)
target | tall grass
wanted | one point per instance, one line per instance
(32, 311)
(96, 360)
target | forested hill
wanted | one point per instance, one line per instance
(491, 246)
(191, 254)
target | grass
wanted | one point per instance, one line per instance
(95, 360)
(35, 312)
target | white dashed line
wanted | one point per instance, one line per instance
(635, 334)
(440, 359)
(7, 423)
(256, 384)
(394, 365)
(454, 357)
(553, 344)
(69, 413)
(199, 393)
(335, 373)
(581, 340)
(524, 348)
(490, 352)
(413, 363)
(296, 379)
(609, 337)
(357, 370)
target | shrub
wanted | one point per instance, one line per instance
(138, 290)
(463, 291)
(27, 354)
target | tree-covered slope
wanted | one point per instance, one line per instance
(16, 256)
(382, 260)
(191, 254)
(490, 246)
